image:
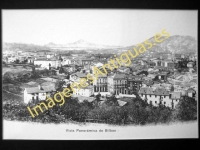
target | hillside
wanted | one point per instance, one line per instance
(80, 45)
(175, 44)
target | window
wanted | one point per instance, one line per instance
(164, 103)
(150, 95)
(155, 102)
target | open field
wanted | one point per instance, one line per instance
(14, 69)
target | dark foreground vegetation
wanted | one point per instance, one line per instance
(137, 112)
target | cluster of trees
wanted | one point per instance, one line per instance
(183, 63)
(78, 52)
(136, 112)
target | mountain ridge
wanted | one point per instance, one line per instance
(174, 44)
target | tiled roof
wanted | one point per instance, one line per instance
(119, 76)
(146, 90)
(161, 91)
(87, 87)
(191, 90)
(148, 82)
(43, 90)
(80, 74)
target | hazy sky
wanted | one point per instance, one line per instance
(100, 26)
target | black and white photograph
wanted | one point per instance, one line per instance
(99, 74)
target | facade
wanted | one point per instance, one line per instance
(191, 92)
(190, 64)
(175, 96)
(86, 61)
(117, 84)
(87, 91)
(30, 60)
(37, 94)
(47, 63)
(66, 61)
(11, 59)
(134, 82)
(100, 85)
(162, 76)
(157, 96)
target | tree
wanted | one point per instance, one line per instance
(186, 109)
(59, 85)
(17, 61)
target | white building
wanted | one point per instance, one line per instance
(66, 61)
(157, 96)
(11, 59)
(46, 63)
(191, 92)
(37, 94)
(87, 91)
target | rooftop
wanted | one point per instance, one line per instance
(43, 89)
(119, 76)
(146, 90)
(79, 74)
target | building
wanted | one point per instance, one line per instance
(11, 59)
(30, 60)
(168, 64)
(191, 92)
(50, 55)
(134, 82)
(117, 84)
(77, 76)
(156, 62)
(84, 91)
(100, 85)
(21, 58)
(147, 83)
(86, 61)
(37, 94)
(175, 96)
(66, 61)
(156, 97)
(190, 64)
(48, 63)
(162, 76)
